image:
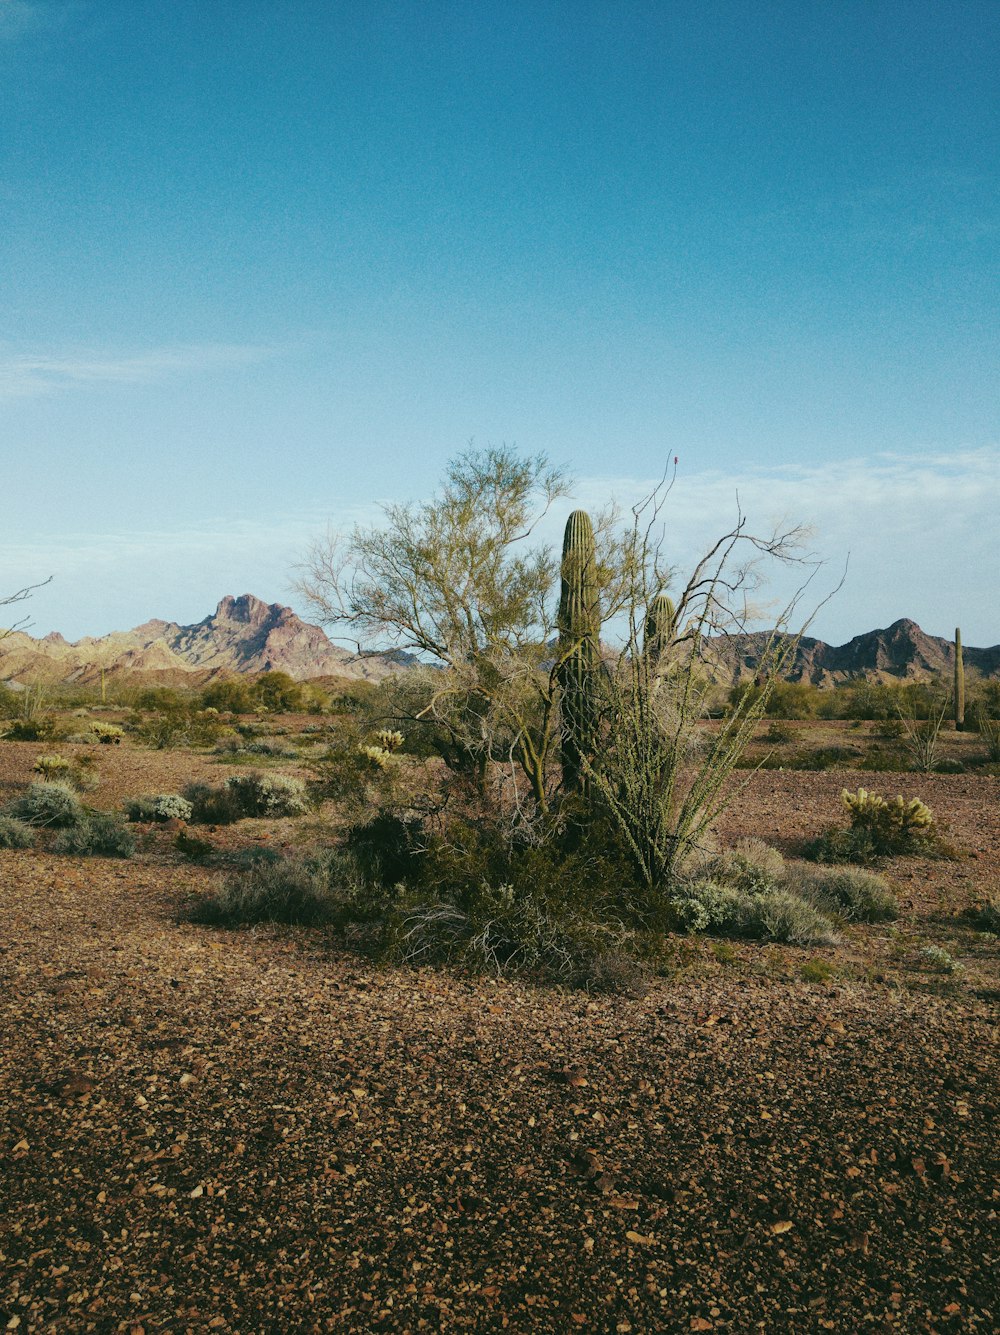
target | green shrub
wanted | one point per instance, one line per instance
(76, 773)
(212, 806)
(45, 729)
(878, 828)
(158, 807)
(860, 896)
(940, 960)
(107, 734)
(100, 835)
(15, 833)
(268, 794)
(54, 805)
(290, 890)
(773, 914)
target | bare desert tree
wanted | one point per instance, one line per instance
(19, 597)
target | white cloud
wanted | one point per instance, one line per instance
(30, 375)
(922, 534)
(921, 531)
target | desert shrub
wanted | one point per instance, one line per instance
(772, 914)
(387, 849)
(15, 833)
(861, 896)
(816, 971)
(986, 915)
(290, 890)
(229, 697)
(617, 972)
(940, 960)
(53, 805)
(268, 794)
(989, 734)
(46, 728)
(212, 806)
(751, 867)
(778, 733)
(158, 807)
(237, 747)
(499, 930)
(99, 835)
(878, 828)
(884, 760)
(107, 734)
(76, 773)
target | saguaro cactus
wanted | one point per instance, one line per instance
(661, 623)
(959, 683)
(579, 647)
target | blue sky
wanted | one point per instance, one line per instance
(264, 265)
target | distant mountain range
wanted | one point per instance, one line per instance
(245, 635)
(901, 652)
(242, 635)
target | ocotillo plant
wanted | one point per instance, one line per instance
(959, 683)
(661, 620)
(579, 647)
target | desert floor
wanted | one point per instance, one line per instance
(255, 1131)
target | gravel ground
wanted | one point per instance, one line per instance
(252, 1131)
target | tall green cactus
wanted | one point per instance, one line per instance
(959, 683)
(661, 624)
(579, 647)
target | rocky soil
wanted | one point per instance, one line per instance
(254, 1131)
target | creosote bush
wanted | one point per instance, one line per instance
(245, 795)
(15, 833)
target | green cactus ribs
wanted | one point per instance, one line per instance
(579, 648)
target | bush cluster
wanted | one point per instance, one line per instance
(245, 795)
(158, 807)
(99, 834)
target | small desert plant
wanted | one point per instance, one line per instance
(779, 732)
(99, 835)
(78, 773)
(268, 794)
(939, 959)
(987, 915)
(108, 734)
(860, 896)
(212, 806)
(54, 805)
(290, 890)
(52, 767)
(773, 914)
(921, 738)
(15, 833)
(816, 971)
(159, 807)
(879, 827)
(989, 734)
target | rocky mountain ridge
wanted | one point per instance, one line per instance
(242, 635)
(900, 652)
(246, 635)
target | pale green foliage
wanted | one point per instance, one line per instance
(159, 807)
(15, 833)
(54, 805)
(895, 818)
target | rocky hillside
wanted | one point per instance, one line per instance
(901, 652)
(242, 635)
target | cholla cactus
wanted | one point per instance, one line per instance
(868, 810)
(52, 767)
(389, 739)
(378, 755)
